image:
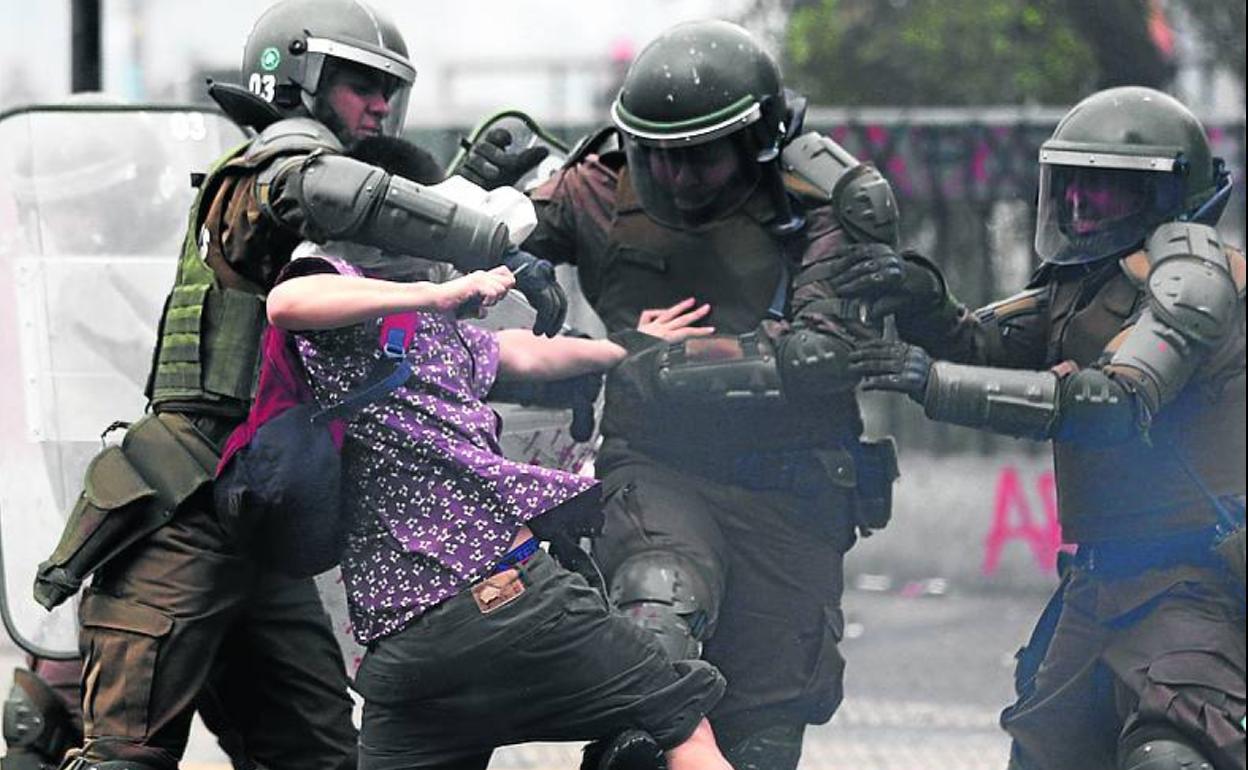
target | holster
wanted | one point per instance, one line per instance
(128, 492)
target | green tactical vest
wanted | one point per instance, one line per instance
(208, 347)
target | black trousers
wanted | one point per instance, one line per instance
(553, 663)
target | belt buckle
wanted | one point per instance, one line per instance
(497, 591)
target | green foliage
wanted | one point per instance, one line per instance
(936, 52)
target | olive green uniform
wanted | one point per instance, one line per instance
(187, 607)
(1150, 630)
(755, 491)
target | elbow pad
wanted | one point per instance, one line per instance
(1096, 409)
(345, 199)
(1010, 401)
(814, 364)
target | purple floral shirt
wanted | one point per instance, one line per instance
(435, 503)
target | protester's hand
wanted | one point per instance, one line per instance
(895, 366)
(535, 278)
(490, 164)
(877, 273)
(470, 294)
(675, 323)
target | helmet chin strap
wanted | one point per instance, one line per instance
(1211, 210)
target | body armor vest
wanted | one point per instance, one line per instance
(1147, 486)
(736, 265)
(208, 347)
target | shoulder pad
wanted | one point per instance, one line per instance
(292, 136)
(821, 172)
(1190, 285)
(605, 139)
(1027, 302)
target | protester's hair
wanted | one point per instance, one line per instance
(398, 156)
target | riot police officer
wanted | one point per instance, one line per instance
(1127, 351)
(177, 597)
(733, 467)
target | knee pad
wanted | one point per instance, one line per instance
(38, 728)
(665, 594)
(1159, 748)
(778, 747)
(630, 750)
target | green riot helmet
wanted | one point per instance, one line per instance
(299, 50)
(699, 110)
(1123, 161)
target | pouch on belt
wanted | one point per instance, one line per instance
(869, 469)
(128, 492)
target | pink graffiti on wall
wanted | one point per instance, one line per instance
(1014, 518)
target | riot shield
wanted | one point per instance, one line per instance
(93, 206)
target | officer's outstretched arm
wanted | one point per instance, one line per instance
(1193, 302)
(309, 187)
(804, 359)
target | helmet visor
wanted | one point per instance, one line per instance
(692, 186)
(1087, 214)
(357, 100)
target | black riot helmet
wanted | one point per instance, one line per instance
(298, 48)
(701, 108)
(1123, 161)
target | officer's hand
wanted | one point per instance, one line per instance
(490, 164)
(895, 366)
(875, 272)
(535, 279)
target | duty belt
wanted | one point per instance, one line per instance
(1121, 558)
(802, 472)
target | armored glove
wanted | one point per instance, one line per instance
(489, 164)
(894, 283)
(535, 279)
(896, 366)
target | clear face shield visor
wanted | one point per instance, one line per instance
(1090, 213)
(690, 186)
(356, 91)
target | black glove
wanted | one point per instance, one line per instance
(892, 283)
(895, 366)
(579, 394)
(535, 279)
(489, 164)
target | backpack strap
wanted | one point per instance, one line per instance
(395, 340)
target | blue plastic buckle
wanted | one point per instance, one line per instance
(394, 347)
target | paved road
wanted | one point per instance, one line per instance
(927, 676)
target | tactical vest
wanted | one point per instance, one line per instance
(736, 265)
(1145, 487)
(208, 347)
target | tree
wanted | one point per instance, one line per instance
(963, 52)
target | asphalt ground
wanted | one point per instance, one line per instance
(929, 669)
